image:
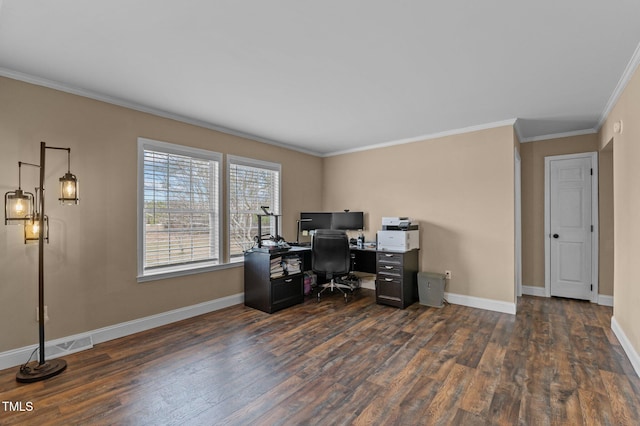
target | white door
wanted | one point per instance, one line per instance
(570, 227)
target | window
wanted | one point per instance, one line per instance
(178, 209)
(252, 184)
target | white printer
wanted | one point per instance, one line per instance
(398, 234)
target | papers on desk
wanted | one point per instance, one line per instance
(292, 265)
(277, 270)
(285, 266)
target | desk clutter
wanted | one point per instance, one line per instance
(278, 275)
(273, 280)
(285, 265)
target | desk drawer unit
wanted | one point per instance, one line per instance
(286, 291)
(389, 291)
(396, 280)
(265, 288)
(395, 270)
(390, 258)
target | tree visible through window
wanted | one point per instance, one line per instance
(181, 208)
(252, 184)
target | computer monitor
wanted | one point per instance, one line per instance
(348, 221)
(319, 220)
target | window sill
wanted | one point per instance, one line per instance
(161, 275)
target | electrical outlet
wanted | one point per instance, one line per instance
(447, 275)
(46, 314)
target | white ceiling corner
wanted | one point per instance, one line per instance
(629, 70)
(334, 77)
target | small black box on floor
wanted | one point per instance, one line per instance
(431, 289)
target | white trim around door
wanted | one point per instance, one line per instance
(593, 156)
(518, 223)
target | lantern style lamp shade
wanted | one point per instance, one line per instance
(32, 230)
(18, 207)
(69, 189)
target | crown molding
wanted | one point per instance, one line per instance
(518, 130)
(622, 83)
(559, 135)
(51, 84)
(633, 64)
(460, 131)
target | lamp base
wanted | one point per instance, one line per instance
(50, 368)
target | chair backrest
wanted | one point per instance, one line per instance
(330, 252)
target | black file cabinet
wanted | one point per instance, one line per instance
(396, 280)
(269, 291)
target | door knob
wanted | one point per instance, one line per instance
(556, 235)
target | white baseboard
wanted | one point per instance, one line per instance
(147, 323)
(368, 282)
(605, 300)
(18, 356)
(368, 285)
(533, 291)
(481, 303)
(626, 345)
(540, 292)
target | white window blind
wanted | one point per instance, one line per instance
(252, 184)
(180, 208)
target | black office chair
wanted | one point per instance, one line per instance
(330, 256)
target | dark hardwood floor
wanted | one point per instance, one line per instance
(555, 362)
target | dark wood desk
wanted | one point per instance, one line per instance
(266, 289)
(362, 260)
(396, 277)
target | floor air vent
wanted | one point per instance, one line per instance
(69, 347)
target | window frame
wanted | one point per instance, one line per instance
(249, 162)
(178, 270)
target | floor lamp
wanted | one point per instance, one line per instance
(19, 209)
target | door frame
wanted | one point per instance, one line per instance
(593, 156)
(518, 223)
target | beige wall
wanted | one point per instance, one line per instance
(626, 189)
(461, 190)
(91, 261)
(606, 221)
(467, 225)
(533, 154)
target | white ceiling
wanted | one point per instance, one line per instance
(334, 76)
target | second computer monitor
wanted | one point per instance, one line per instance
(312, 221)
(349, 221)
